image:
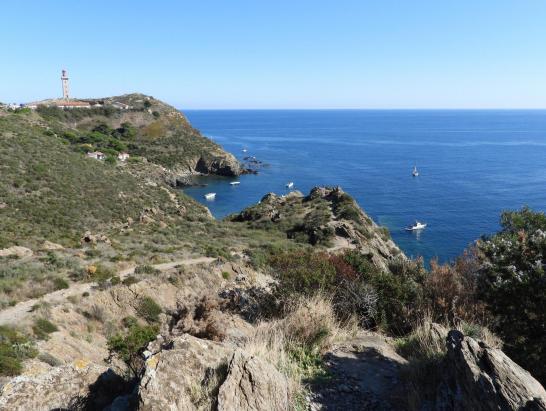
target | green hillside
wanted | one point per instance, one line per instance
(50, 191)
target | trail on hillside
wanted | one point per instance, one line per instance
(18, 312)
(363, 375)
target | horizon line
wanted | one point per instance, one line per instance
(367, 108)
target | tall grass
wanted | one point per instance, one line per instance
(295, 343)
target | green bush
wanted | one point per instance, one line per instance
(146, 269)
(60, 283)
(130, 346)
(129, 280)
(301, 272)
(14, 348)
(148, 309)
(101, 274)
(42, 328)
(399, 291)
(512, 282)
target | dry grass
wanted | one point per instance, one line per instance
(295, 343)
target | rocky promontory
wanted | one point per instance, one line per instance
(328, 217)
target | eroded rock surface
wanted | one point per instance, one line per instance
(484, 378)
(252, 384)
(60, 387)
(183, 375)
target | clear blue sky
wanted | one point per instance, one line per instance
(280, 54)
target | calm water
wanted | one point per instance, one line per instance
(473, 165)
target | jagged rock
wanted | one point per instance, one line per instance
(57, 388)
(328, 216)
(252, 384)
(184, 375)
(484, 378)
(17, 251)
(224, 164)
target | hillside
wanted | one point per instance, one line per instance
(119, 292)
(50, 191)
(147, 128)
(326, 217)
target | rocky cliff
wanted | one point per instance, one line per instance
(326, 217)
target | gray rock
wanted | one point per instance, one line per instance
(184, 376)
(252, 384)
(484, 378)
(56, 388)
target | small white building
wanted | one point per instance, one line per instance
(97, 155)
(123, 156)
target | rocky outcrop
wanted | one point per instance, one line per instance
(223, 164)
(59, 388)
(183, 375)
(483, 378)
(252, 385)
(327, 216)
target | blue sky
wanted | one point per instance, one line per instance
(280, 54)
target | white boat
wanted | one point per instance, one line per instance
(244, 150)
(415, 173)
(234, 183)
(210, 196)
(290, 184)
(416, 226)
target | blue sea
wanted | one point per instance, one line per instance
(473, 164)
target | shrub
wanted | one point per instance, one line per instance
(42, 328)
(130, 346)
(450, 292)
(115, 280)
(148, 309)
(14, 347)
(512, 282)
(302, 272)
(129, 280)
(60, 283)
(146, 269)
(100, 273)
(398, 291)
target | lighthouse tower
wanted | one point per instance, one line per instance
(64, 81)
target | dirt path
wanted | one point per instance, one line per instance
(364, 375)
(18, 312)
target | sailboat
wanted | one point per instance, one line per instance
(415, 173)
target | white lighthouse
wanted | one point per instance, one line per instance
(64, 81)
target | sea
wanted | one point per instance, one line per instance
(473, 164)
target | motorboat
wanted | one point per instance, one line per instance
(244, 150)
(234, 183)
(415, 173)
(290, 185)
(210, 196)
(416, 226)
